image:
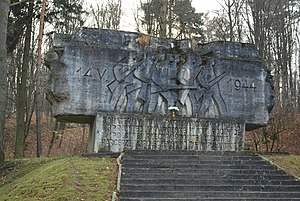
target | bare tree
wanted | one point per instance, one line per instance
(272, 29)
(273, 26)
(4, 7)
(107, 15)
(228, 25)
(57, 132)
(22, 89)
(38, 83)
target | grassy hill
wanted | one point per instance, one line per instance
(290, 163)
(63, 178)
(75, 178)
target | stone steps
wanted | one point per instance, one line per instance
(130, 170)
(191, 175)
(245, 187)
(201, 166)
(205, 194)
(146, 153)
(214, 198)
(196, 161)
(199, 181)
(193, 157)
(205, 176)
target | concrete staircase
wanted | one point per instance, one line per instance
(190, 175)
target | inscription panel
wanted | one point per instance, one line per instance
(135, 132)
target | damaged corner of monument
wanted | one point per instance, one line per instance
(60, 40)
(56, 97)
(53, 59)
(108, 71)
(232, 50)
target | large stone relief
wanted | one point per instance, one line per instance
(110, 71)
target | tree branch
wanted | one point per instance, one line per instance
(22, 1)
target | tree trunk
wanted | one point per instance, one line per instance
(229, 6)
(38, 99)
(83, 138)
(4, 7)
(22, 90)
(58, 131)
(255, 141)
(170, 21)
(163, 19)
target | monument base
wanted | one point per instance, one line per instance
(119, 132)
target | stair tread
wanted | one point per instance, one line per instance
(191, 185)
(204, 199)
(203, 194)
(217, 188)
(208, 198)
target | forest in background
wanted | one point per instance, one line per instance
(272, 25)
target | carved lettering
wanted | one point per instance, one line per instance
(93, 73)
(167, 133)
(238, 84)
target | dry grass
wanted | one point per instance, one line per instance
(64, 178)
(291, 163)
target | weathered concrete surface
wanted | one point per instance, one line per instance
(111, 71)
(120, 132)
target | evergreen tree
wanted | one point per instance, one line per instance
(171, 18)
(66, 16)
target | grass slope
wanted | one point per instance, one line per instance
(67, 178)
(290, 163)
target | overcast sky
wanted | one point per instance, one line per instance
(128, 6)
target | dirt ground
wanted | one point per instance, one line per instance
(75, 136)
(72, 141)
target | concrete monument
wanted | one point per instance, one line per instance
(98, 76)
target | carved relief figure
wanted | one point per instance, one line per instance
(188, 88)
(209, 95)
(132, 90)
(165, 81)
(124, 88)
(151, 82)
(123, 77)
(144, 74)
